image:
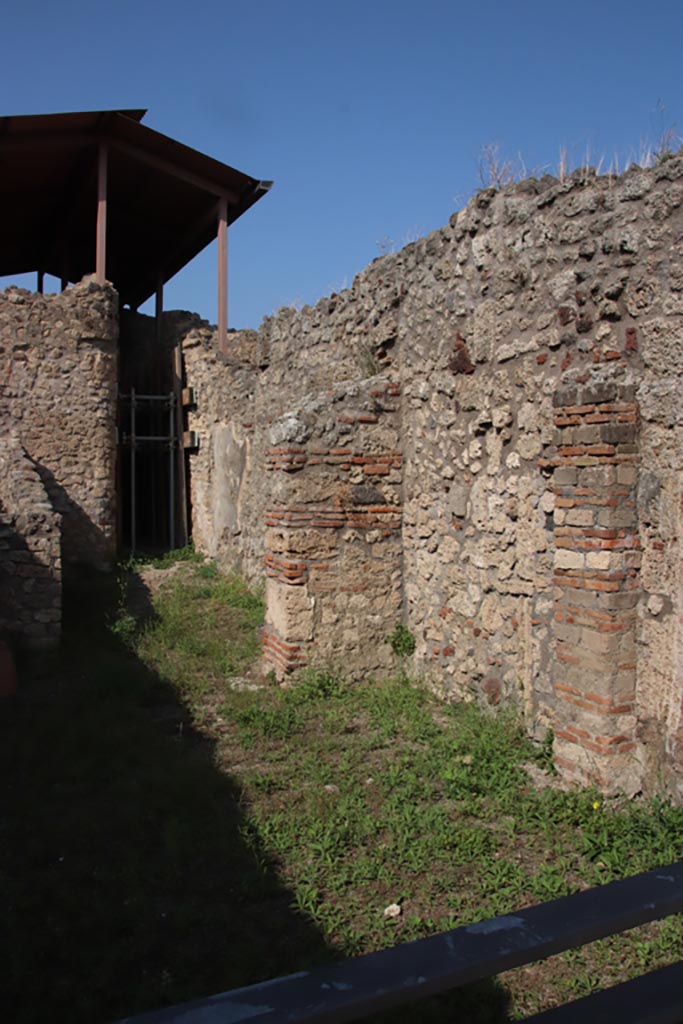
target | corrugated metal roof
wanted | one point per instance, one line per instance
(162, 198)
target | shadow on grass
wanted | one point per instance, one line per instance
(126, 882)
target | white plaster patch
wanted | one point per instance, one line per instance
(498, 924)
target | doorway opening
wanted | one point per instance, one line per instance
(152, 470)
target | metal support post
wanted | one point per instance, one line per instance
(223, 276)
(101, 241)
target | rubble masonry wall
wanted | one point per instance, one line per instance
(58, 358)
(515, 381)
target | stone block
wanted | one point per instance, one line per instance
(598, 392)
(289, 611)
(598, 560)
(566, 395)
(580, 517)
(565, 476)
(588, 433)
(566, 559)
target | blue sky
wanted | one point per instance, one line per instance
(370, 116)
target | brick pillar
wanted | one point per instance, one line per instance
(596, 580)
(333, 532)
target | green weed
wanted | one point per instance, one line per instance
(349, 798)
(402, 642)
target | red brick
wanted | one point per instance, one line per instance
(575, 449)
(569, 659)
(575, 410)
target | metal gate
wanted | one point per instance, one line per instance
(148, 454)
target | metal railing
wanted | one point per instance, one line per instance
(353, 989)
(164, 439)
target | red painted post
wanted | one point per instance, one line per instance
(223, 276)
(101, 244)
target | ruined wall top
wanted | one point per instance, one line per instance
(533, 348)
(58, 378)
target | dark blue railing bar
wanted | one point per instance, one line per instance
(352, 989)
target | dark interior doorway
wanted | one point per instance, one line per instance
(151, 458)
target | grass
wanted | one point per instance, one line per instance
(497, 169)
(167, 835)
(204, 630)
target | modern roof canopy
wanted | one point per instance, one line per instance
(100, 192)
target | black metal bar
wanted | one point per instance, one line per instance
(164, 439)
(133, 503)
(147, 398)
(353, 989)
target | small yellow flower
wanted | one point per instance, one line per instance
(596, 805)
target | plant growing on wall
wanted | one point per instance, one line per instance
(402, 643)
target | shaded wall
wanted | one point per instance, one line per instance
(346, 337)
(30, 552)
(58, 394)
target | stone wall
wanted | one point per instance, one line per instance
(482, 438)
(346, 337)
(532, 352)
(58, 394)
(30, 556)
(227, 503)
(655, 302)
(522, 331)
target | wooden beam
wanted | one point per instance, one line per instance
(101, 242)
(223, 277)
(166, 166)
(39, 140)
(200, 226)
(65, 213)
